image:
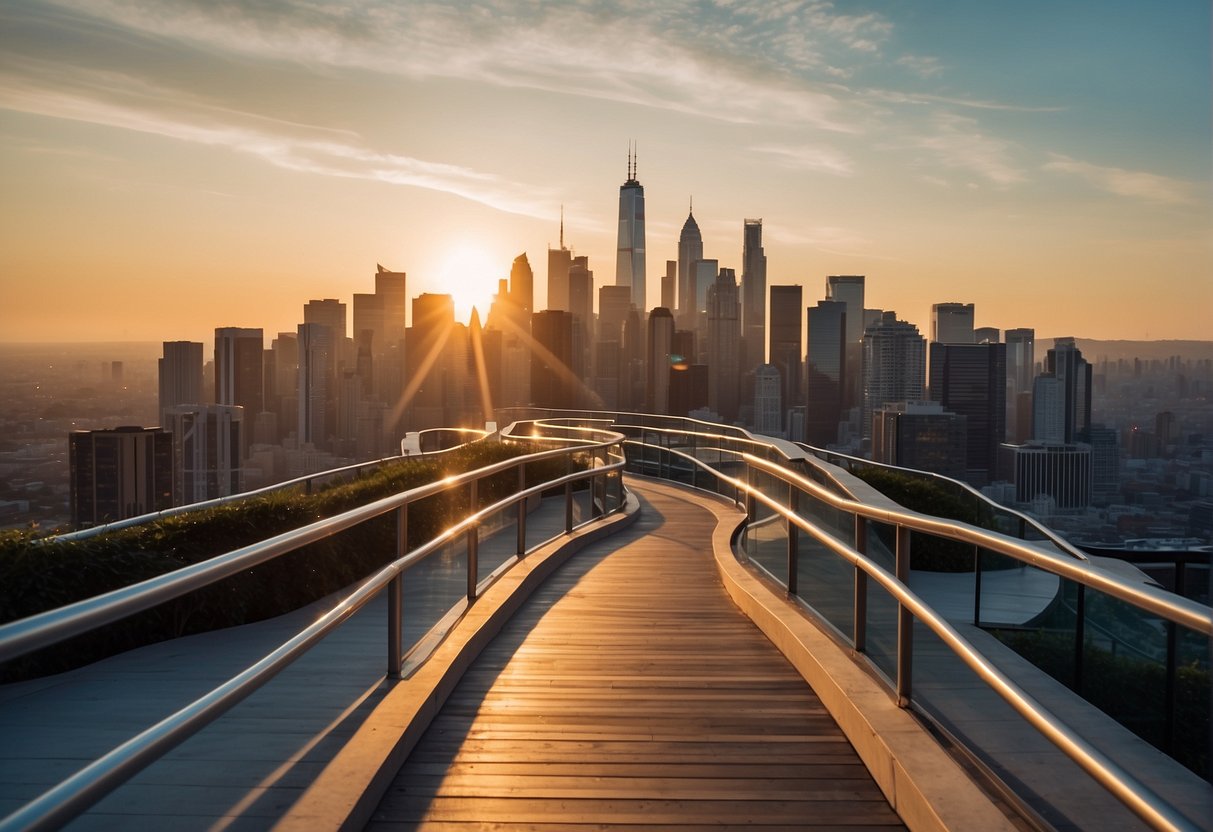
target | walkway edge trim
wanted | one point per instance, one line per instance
(347, 791)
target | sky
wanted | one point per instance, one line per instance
(172, 166)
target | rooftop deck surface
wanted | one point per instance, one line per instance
(629, 690)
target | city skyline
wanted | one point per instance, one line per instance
(162, 159)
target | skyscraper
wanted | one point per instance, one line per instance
(849, 289)
(392, 287)
(581, 307)
(1021, 368)
(753, 295)
(669, 284)
(559, 260)
(690, 251)
(206, 451)
(180, 371)
(1021, 359)
(768, 406)
(724, 346)
(119, 473)
(552, 381)
(240, 373)
(970, 380)
(316, 383)
(952, 323)
(1065, 363)
(787, 307)
(629, 263)
(894, 365)
(827, 371)
(522, 287)
(660, 344)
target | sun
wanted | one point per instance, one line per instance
(469, 275)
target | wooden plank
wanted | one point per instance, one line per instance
(630, 691)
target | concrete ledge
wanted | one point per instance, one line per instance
(346, 793)
(923, 783)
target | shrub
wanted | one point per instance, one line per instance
(921, 494)
(39, 575)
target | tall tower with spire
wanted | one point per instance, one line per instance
(559, 262)
(629, 261)
(690, 251)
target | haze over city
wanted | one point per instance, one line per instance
(163, 161)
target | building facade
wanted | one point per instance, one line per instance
(119, 473)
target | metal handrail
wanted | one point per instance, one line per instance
(812, 455)
(305, 480)
(1050, 535)
(1166, 605)
(47, 628)
(86, 787)
(1131, 792)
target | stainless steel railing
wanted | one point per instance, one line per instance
(810, 459)
(307, 482)
(601, 453)
(682, 461)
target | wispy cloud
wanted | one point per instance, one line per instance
(923, 99)
(810, 158)
(714, 71)
(924, 66)
(958, 142)
(287, 145)
(1151, 187)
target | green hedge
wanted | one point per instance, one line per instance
(927, 552)
(40, 575)
(1128, 689)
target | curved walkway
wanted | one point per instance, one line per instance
(630, 690)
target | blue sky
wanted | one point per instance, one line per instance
(1002, 154)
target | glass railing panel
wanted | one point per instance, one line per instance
(432, 588)
(1018, 597)
(766, 536)
(1124, 666)
(952, 695)
(1049, 639)
(498, 541)
(881, 646)
(826, 583)
(582, 504)
(1191, 729)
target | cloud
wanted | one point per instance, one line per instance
(1150, 187)
(924, 66)
(958, 142)
(731, 66)
(286, 145)
(805, 157)
(918, 98)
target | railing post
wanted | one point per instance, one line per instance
(473, 546)
(694, 461)
(861, 587)
(598, 486)
(395, 599)
(976, 585)
(522, 510)
(568, 508)
(905, 622)
(750, 503)
(1171, 687)
(793, 540)
(1080, 635)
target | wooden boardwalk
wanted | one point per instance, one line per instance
(631, 691)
